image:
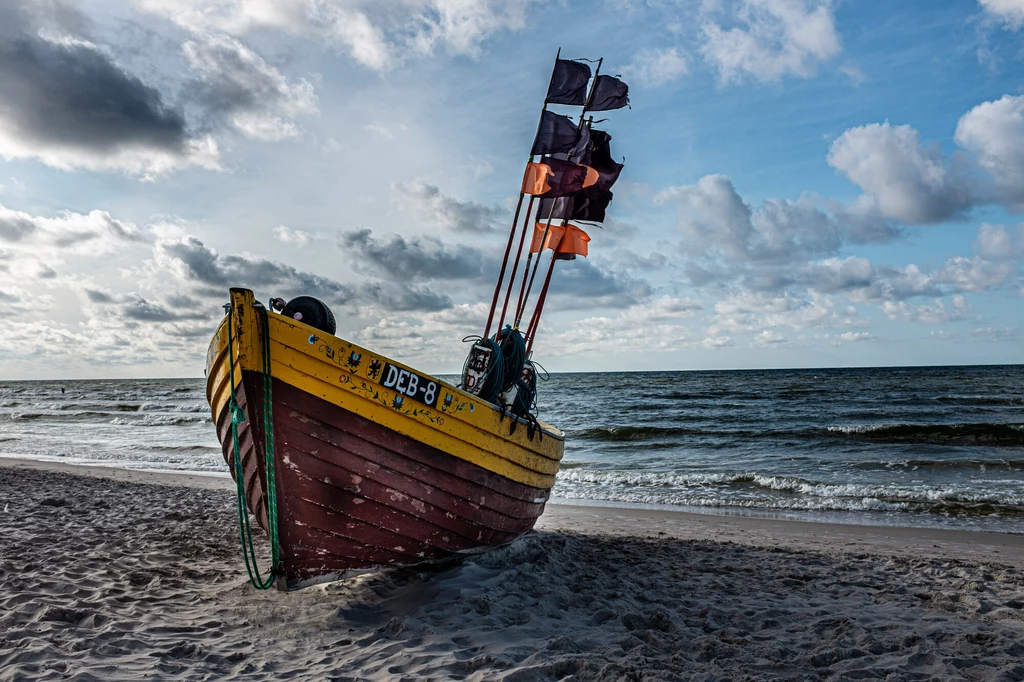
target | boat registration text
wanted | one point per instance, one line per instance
(410, 384)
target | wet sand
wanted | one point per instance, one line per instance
(114, 575)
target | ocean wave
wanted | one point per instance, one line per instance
(1001, 435)
(781, 492)
(619, 434)
(944, 464)
(32, 416)
(197, 407)
(936, 434)
(979, 400)
(159, 420)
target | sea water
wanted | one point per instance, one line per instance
(922, 447)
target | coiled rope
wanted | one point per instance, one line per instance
(238, 416)
(494, 376)
(513, 353)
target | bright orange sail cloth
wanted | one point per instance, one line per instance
(568, 239)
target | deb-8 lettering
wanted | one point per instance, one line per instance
(410, 384)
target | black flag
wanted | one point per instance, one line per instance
(609, 93)
(562, 209)
(599, 157)
(568, 83)
(556, 133)
(591, 204)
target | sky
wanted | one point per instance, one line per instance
(807, 183)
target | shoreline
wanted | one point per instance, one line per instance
(116, 574)
(624, 521)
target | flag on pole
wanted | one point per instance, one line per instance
(599, 157)
(565, 241)
(556, 178)
(568, 83)
(609, 93)
(556, 133)
(556, 209)
(591, 205)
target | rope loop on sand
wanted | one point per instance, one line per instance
(238, 416)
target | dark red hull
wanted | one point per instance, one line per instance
(354, 494)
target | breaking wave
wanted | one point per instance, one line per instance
(754, 490)
(160, 420)
(937, 434)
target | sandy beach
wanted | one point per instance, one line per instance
(107, 574)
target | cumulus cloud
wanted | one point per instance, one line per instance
(445, 211)
(929, 313)
(397, 257)
(1010, 12)
(713, 217)
(659, 324)
(772, 39)
(769, 337)
(744, 311)
(657, 66)
(92, 233)
(67, 103)
(907, 180)
(995, 242)
(287, 235)
(376, 34)
(910, 182)
(994, 133)
(208, 272)
(582, 283)
(237, 85)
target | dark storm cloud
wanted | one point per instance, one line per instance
(583, 281)
(215, 273)
(448, 212)
(417, 257)
(206, 266)
(67, 102)
(71, 94)
(403, 297)
(139, 308)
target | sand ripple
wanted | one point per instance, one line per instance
(108, 580)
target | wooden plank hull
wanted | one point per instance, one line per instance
(354, 492)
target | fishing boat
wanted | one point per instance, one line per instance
(349, 459)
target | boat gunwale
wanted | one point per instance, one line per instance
(216, 359)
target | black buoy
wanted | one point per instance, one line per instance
(311, 311)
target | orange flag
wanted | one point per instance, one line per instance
(535, 180)
(568, 240)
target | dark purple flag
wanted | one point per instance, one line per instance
(568, 83)
(567, 178)
(599, 157)
(556, 133)
(609, 93)
(591, 204)
(562, 209)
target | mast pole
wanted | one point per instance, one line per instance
(524, 293)
(515, 264)
(515, 219)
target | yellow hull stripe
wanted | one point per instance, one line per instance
(343, 374)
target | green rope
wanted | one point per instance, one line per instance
(238, 416)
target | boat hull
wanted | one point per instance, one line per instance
(356, 492)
